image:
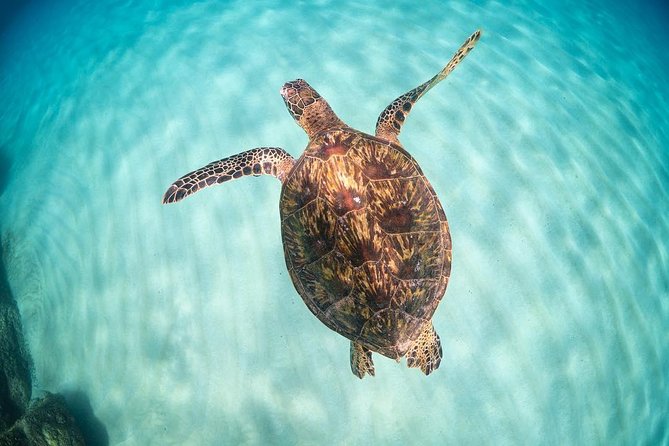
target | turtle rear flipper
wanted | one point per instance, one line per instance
(426, 350)
(361, 360)
(390, 121)
(260, 161)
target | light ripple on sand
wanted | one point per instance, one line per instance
(180, 322)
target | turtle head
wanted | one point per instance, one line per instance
(308, 108)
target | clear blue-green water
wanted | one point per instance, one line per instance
(549, 148)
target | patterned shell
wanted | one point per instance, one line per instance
(366, 240)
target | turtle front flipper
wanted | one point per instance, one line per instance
(361, 360)
(260, 161)
(425, 351)
(390, 121)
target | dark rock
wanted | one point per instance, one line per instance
(15, 362)
(14, 437)
(48, 422)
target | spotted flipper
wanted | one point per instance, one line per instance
(361, 360)
(390, 121)
(261, 161)
(425, 351)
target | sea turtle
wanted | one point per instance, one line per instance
(365, 239)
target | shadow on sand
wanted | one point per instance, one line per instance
(92, 429)
(35, 415)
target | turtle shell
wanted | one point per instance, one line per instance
(365, 238)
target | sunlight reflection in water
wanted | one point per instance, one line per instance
(180, 323)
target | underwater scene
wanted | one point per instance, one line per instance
(131, 322)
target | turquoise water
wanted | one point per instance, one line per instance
(179, 324)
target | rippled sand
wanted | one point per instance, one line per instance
(547, 146)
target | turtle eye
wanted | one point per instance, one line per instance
(293, 103)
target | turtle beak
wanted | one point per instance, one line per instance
(289, 89)
(291, 96)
